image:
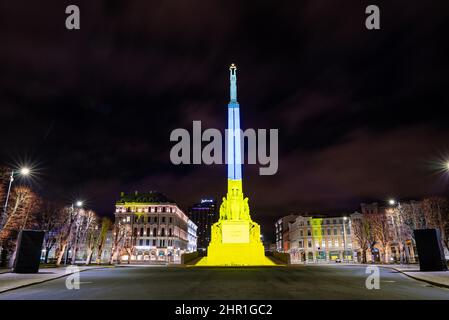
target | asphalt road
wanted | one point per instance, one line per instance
(302, 282)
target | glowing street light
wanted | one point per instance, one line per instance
(24, 171)
(79, 204)
(391, 202)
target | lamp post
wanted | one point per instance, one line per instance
(78, 204)
(398, 225)
(24, 172)
(344, 238)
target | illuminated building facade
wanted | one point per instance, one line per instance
(192, 236)
(320, 239)
(282, 232)
(204, 214)
(157, 229)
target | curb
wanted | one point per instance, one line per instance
(437, 284)
(46, 280)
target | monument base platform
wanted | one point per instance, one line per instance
(235, 243)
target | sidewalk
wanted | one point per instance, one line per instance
(436, 278)
(10, 281)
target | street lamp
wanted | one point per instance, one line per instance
(344, 238)
(397, 226)
(78, 204)
(25, 171)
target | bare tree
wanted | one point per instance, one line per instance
(21, 213)
(105, 227)
(436, 212)
(382, 232)
(119, 236)
(84, 221)
(92, 236)
(69, 216)
(50, 219)
(361, 233)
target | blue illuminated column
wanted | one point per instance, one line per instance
(234, 139)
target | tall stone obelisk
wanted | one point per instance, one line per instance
(235, 238)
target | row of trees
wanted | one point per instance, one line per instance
(395, 225)
(67, 228)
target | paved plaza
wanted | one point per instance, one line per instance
(295, 282)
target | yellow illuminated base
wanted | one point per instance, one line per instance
(237, 247)
(235, 238)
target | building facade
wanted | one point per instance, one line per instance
(204, 214)
(156, 229)
(192, 236)
(282, 232)
(320, 239)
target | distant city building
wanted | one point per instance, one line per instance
(320, 239)
(192, 236)
(281, 228)
(204, 214)
(158, 228)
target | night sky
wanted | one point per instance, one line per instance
(361, 114)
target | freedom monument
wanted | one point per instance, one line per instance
(235, 238)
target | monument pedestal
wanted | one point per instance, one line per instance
(236, 243)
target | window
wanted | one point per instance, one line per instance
(170, 219)
(335, 232)
(169, 232)
(309, 233)
(135, 232)
(148, 232)
(163, 232)
(328, 232)
(163, 219)
(148, 242)
(141, 231)
(140, 242)
(155, 219)
(301, 233)
(334, 221)
(309, 244)
(154, 242)
(154, 232)
(300, 244)
(128, 219)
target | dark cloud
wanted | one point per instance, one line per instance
(358, 111)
